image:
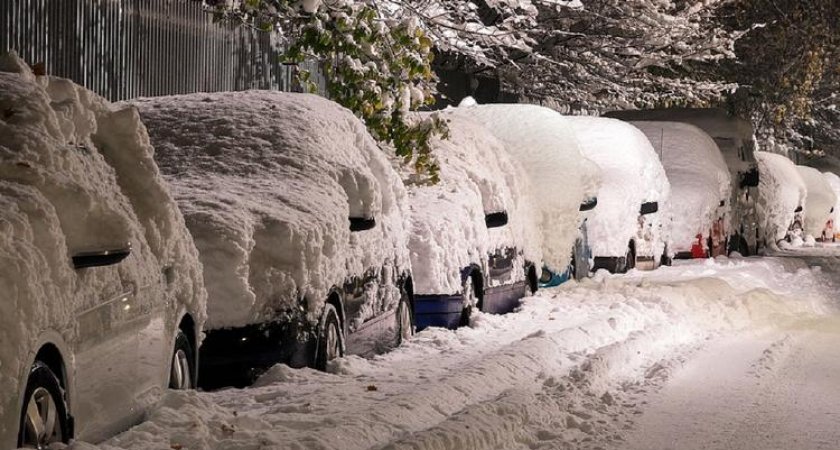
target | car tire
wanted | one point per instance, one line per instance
(44, 407)
(182, 374)
(330, 338)
(470, 299)
(405, 319)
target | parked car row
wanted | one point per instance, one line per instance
(266, 227)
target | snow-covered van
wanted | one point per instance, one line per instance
(819, 204)
(700, 187)
(565, 182)
(627, 228)
(782, 193)
(301, 226)
(734, 137)
(474, 237)
(101, 295)
(831, 228)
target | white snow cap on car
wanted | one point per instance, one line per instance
(699, 179)
(544, 143)
(631, 174)
(477, 176)
(819, 202)
(267, 181)
(781, 190)
(76, 175)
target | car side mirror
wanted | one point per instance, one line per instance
(100, 258)
(649, 208)
(588, 204)
(496, 219)
(361, 223)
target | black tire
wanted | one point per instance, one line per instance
(533, 281)
(44, 393)
(182, 373)
(743, 247)
(330, 338)
(629, 259)
(405, 318)
(469, 292)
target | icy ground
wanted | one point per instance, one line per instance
(726, 354)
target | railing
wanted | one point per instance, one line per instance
(131, 48)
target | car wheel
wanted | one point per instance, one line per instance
(743, 247)
(43, 419)
(405, 319)
(330, 338)
(470, 300)
(182, 369)
(629, 259)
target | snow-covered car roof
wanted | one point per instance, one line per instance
(631, 174)
(733, 135)
(77, 175)
(267, 182)
(449, 232)
(781, 191)
(698, 175)
(544, 143)
(819, 202)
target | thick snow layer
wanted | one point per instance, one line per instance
(77, 175)
(571, 369)
(448, 234)
(267, 181)
(544, 142)
(699, 179)
(631, 175)
(781, 190)
(819, 202)
(834, 182)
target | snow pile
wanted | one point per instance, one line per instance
(448, 232)
(781, 191)
(631, 175)
(699, 179)
(568, 370)
(267, 181)
(77, 175)
(834, 182)
(544, 142)
(819, 202)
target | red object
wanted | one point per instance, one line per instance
(697, 249)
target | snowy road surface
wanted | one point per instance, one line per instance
(729, 354)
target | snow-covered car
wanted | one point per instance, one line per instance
(565, 182)
(700, 187)
(301, 226)
(101, 294)
(831, 229)
(819, 204)
(626, 229)
(782, 193)
(734, 137)
(474, 237)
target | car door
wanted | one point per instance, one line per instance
(105, 354)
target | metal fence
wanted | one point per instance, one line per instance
(130, 48)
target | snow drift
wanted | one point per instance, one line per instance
(267, 181)
(76, 175)
(699, 179)
(544, 142)
(448, 232)
(781, 191)
(631, 174)
(819, 202)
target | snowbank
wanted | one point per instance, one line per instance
(544, 142)
(699, 179)
(267, 181)
(819, 201)
(448, 232)
(834, 182)
(76, 175)
(781, 191)
(631, 175)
